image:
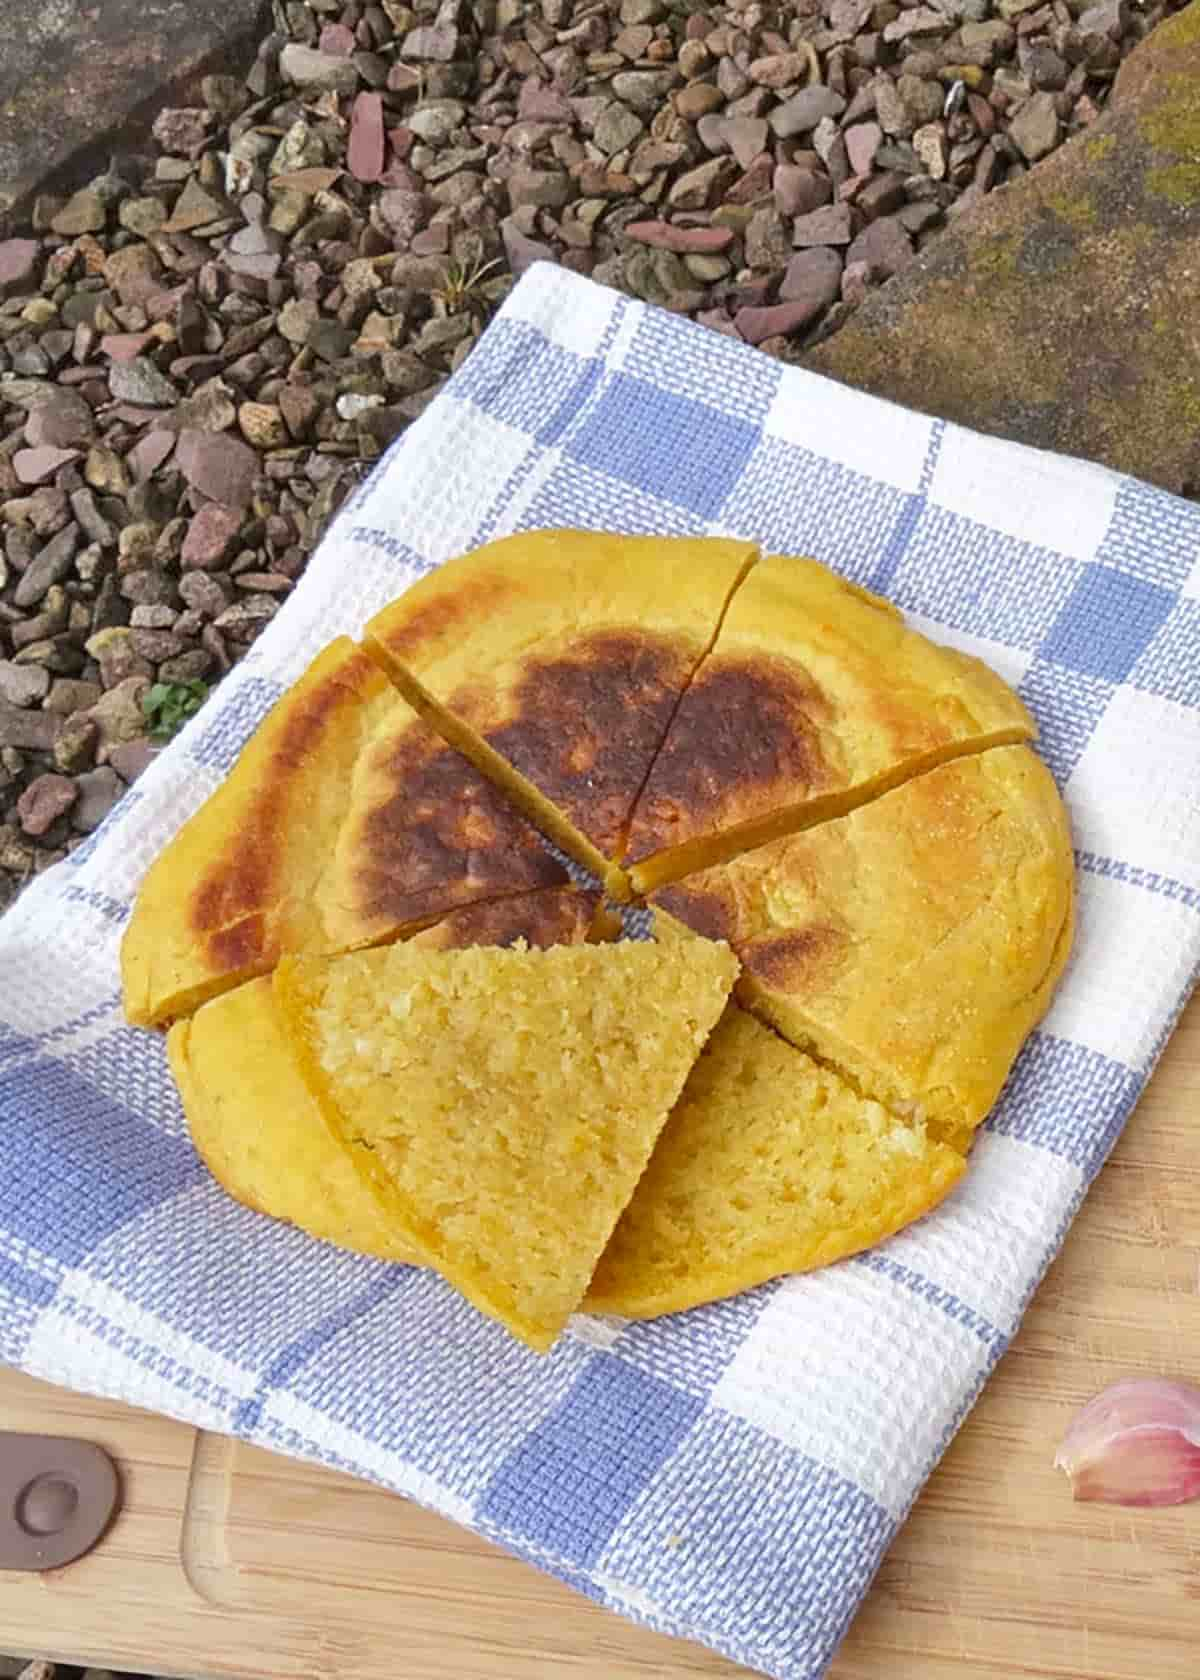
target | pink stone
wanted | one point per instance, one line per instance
(220, 467)
(401, 140)
(717, 321)
(149, 453)
(538, 102)
(44, 801)
(799, 190)
(775, 320)
(365, 152)
(123, 347)
(337, 39)
(863, 140)
(35, 466)
(208, 537)
(754, 184)
(18, 265)
(667, 237)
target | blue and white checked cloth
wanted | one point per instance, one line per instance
(733, 1474)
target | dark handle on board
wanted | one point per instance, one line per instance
(57, 1498)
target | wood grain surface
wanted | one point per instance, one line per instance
(227, 1560)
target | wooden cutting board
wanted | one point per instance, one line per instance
(227, 1560)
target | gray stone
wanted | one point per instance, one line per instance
(22, 685)
(812, 277)
(29, 731)
(62, 421)
(804, 110)
(436, 120)
(309, 68)
(616, 127)
(1034, 129)
(49, 567)
(98, 791)
(830, 225)
(884, 246)
(139, 381)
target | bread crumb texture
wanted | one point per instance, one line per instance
(769, 1164)
(503, 1103)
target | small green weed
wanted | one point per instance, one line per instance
(168, 706)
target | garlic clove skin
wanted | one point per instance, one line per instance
(1136, 1443)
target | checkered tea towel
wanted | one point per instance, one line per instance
(732, 1474)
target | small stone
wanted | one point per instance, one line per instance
(119, 714)
(150, 452)
(884, 246)
(22, 685)
(139, 381)
(777, 70)
(863, 140)
(746, 138)
(770, 321)
(263, 425)
(84, 212)
(18, 265)
(804, 110)
(616, 128)
(929, 143)
(434, 43)
(35, 466)
(134, 273)
(697, 100)
(1034, 129)
(130, 758)
(707, 270)
(98, 792)
(667, 237)
(768, 240)
(45, 800)
(182, 129)
(798, 190)
(366, 147)
(51, 566)
(25, 729)
(813, 278)
(76, 742)
(544, 188)
(830, 225)
(299, 406)
(195, 208)
(308, 67)
(890, 109)
(220, 467)
(437, 119)
(298, 317)
(330, 340)
(105, 471)
(644, 90)
(696, 188)
(69, 694)
(209, 537)
(881, 195)
(520, 251)
(63, 421)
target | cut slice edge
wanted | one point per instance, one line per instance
(523, 794)
(299, 986)
(673, 863)
(527, 797)
(724, 1209)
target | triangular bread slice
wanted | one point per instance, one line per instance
(555, 660)
(913, 945)
(502, 1104)
(815, 699)
(257, 1125)
(769, 1164)
(345, 820)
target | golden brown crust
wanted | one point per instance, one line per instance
(813, 689)
(565, 653)
(346, 820)
(913, 945)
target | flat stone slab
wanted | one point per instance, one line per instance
(75, 76)
(1064, 311)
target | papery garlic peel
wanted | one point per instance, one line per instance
(1136, 1443)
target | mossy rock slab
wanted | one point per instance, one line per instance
(1065, 311)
